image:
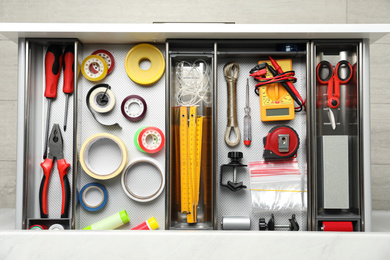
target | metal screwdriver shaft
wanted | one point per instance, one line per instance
(247, 118)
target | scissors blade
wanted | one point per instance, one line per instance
(332, 118)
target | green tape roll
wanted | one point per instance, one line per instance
(136, 139)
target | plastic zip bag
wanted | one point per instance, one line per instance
(277, 186)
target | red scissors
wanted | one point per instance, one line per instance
(326, 75)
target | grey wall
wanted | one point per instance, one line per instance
(247, 11)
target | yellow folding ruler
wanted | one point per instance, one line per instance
(190, 160)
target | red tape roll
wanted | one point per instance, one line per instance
(156, 134)
(108, 57)
(338, 226)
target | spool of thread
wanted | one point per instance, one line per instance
(56, 227)
(112, 222)
(150, 224)
(337, 226)
(236, 223)
(38, 227)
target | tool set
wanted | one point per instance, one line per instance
(269, 181)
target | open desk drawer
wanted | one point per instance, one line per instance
(215, 201)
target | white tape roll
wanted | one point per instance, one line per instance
(151, 196)
(106, 140)
(102, 100)
(56, 227)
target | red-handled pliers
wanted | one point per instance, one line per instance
(55, 151)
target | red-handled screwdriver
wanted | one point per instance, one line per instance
(68, 77)
(53, 62)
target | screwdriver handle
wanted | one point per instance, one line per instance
(68, 70)
(53, 62)
(247, 130)
(47, 165)
(63, 166)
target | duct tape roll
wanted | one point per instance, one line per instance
(151, 139)
(111, 168)
(142, 52)
(337, 226)
(102, 100)
(154, 194)
(108, 57)
(134, 114)
(56, 227)
(88, 102)
(93, 206)
(100, 64)
(236, 223)
(38, 227)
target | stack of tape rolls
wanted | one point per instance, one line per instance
(142, 52)
(134, 114)
(96, 205)
(149, 139)
(98, 65)
(99, 145)
(148, 197)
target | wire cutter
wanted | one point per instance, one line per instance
(55, 151)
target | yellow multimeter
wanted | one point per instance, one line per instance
(276, 104)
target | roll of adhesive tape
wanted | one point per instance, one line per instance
(56, 227)
(157, 142)
(102, 100)
(134, 115)
(96, 206)
(108, 57)
(337, 226)
(136, 139)
(38, 227)
(142, 52)
(101, 66)
(236, 223)
(84, 160)
(149, 197)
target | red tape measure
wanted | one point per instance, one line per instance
(280, 143)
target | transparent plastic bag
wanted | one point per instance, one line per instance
(277, 186)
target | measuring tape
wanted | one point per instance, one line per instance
(85, 150)
(89, 187)
(149, 197)
(135, 115)
(158, 139)
(191, 127)
(142, 52)
(100, 69)
(108, 57)
(276, 104)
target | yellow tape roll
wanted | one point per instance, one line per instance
(84, 153)
(140, 53)
(102, 68)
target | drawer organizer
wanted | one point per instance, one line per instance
(327, 193)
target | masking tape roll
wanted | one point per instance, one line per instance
(89, 187)
(101, 66)
(108, 57)
(84, 160)
(102, 100)
(157, 143)
(135, 115)
(137, 197)
(56, 227)
(142, 52)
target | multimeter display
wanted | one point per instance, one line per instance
(277, 112)
(276, 104)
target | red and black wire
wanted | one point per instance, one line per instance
(258, 73)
